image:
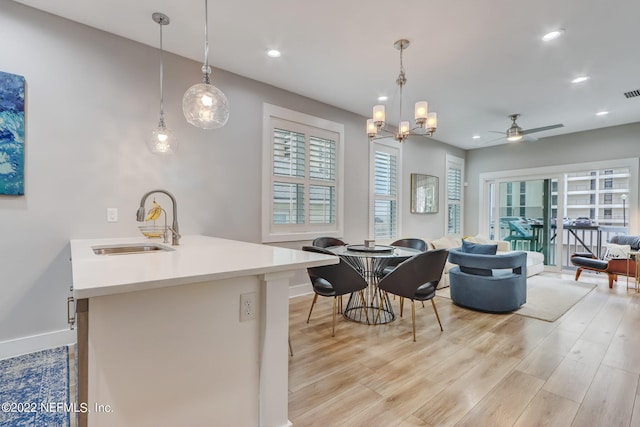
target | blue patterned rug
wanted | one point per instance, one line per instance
(34, 389)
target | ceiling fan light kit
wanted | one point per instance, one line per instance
(516, 133)
(426, 122)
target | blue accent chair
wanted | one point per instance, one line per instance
(492, 283)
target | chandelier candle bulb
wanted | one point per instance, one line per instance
(432, 120)
(421, 112)
(404, 128)
(378, 114)
(372, 129)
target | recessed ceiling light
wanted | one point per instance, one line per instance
(475, 137)
(552, 35)
(273, 53)
(580, 79)
(383, 98)
(602, 113)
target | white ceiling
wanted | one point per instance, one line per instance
(475, 61)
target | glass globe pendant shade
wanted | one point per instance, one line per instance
(205, 106)
(162, 140)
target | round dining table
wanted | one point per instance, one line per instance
(370, 262)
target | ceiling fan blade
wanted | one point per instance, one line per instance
(540, 129)
(495, 131)
(493, 140)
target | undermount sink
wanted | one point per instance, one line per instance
(131, 248)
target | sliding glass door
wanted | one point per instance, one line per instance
(559, 212)
(524, 212)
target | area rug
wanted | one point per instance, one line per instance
(34, 389)
(548, 297)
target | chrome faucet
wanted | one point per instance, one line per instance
(175, 234)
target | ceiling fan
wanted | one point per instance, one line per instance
(516, 133)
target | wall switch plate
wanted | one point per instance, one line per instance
(112, 214)
(248, 306)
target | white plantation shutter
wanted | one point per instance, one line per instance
(302, 184)
(322, 174)
(288, 153)
(385, 193)
(455, 173)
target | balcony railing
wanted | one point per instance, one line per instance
(591, 239)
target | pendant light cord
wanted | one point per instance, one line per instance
(161, 77)
(206, 70)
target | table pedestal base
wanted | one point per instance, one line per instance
(374, 300)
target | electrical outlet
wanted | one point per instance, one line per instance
(247, 306)
(112, 214)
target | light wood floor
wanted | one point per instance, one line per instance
(483, 370)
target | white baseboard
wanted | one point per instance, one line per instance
(301, 289)
(35, 343)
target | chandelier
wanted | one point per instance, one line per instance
(426, 123)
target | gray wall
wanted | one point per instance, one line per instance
(425, 156)
(617, 142)
(91, 100)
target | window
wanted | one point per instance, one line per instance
(608, 182)
(385, 184)
(302, 176)
(454, 185)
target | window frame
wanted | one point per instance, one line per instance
(275, 116)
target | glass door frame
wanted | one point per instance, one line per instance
(487, 211)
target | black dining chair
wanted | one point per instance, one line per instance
(412, 243)
(334, 281)
(325, 242)
(416, 279)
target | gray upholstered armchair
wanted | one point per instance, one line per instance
(493, 283)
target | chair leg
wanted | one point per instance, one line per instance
(333, 327)
(315, 298)
(401, 305)
(578, 271)
(290, 348)
(413, 319)
(436, 311)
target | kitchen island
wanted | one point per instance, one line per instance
(160, 336)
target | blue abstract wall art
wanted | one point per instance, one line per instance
(11, 134)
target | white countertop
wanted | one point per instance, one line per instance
(196, 259)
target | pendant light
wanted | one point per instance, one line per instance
(204, 105)
(162, 139)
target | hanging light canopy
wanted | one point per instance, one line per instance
(426, 122)
(162, 140)
(204, 105)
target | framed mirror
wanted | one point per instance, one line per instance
(424, 193)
